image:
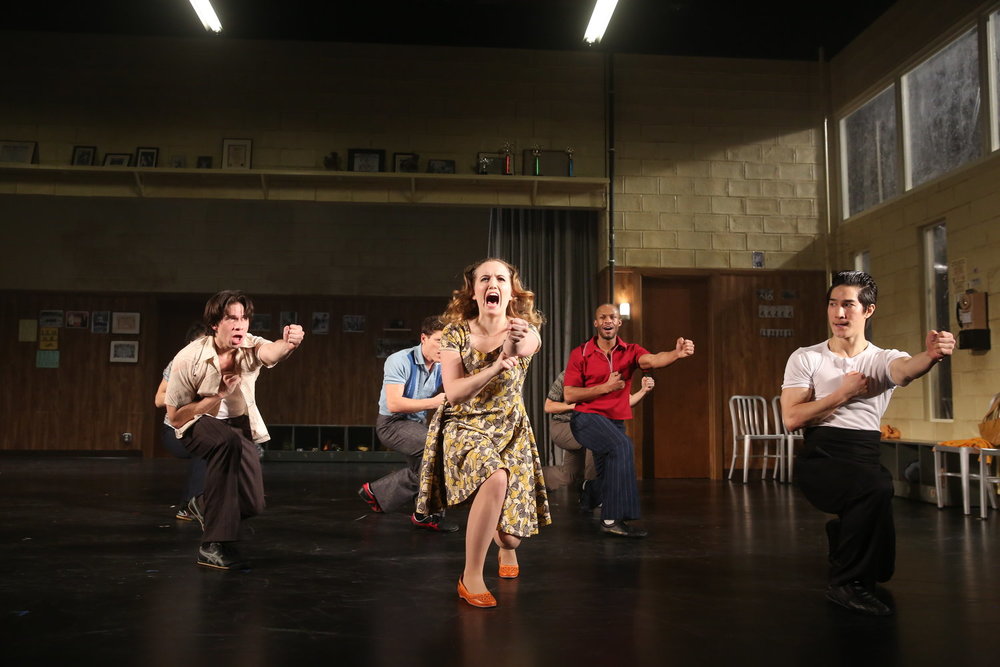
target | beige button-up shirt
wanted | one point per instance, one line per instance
(195, 374)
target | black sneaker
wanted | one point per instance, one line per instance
(221, 556)
(435, 522)
(622, 529)
(183, 514)
(194, 510)
(856, 597)
(365, 493)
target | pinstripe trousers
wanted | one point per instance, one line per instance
(614, 460)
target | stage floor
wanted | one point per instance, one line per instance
(96, 567)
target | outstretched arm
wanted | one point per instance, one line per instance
(937, 344)
(645, 386)
(683, 348)
(291, 338)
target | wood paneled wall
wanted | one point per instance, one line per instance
(87, 402)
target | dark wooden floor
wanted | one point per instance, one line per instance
(95, 567)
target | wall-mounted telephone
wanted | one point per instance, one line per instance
(972, 313)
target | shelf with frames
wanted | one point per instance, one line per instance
(306, 185)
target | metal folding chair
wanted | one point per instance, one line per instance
(750, 423)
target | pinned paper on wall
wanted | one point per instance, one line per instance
(47, 359)
(27, 331)
(48, 338)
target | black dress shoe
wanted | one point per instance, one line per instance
(856, 597)
(221, 556)
(622, 529)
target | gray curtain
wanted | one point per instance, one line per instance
(556, 253)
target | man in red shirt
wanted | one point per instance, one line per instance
(598, 377)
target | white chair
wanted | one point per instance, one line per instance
(750, 423)
(791, 437)
(983, 476)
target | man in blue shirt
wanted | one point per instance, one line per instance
(411, 388)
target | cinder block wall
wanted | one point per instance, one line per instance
(967, 201)
(718, 158)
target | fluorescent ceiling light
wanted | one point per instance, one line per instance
(207, 15)
(603, 9)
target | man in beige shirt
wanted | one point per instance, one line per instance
(211, 404)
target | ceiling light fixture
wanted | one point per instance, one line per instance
(207, 15)
(603, 9)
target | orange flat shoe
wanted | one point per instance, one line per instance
(482, 600)
(508, 571)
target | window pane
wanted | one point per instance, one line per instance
(870, 153)
(994, 61)
(942, 105)
(938, 299)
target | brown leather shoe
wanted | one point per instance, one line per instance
(482, 600)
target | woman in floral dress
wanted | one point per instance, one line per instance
(480, 444)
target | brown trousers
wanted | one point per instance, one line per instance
(234, 486)
(578, 463)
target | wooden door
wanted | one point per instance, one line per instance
(677, 421)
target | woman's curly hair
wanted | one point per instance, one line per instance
(464, 307)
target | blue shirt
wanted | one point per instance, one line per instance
(408, 368)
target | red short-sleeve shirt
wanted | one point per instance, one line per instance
(589, 366)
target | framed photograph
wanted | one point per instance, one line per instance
(83, 156)
(489, 163)
(405, 162)
(440, 166)
(354, 324)
(260, 322)
(100, 321)
(236, 153)
(77, 319)
(287, 317)
(117, 159)
(365, 159)
(321, 323)
(125, 351)
(146, 157)
(204, 162)
(179, 161)
(125, 323)
(19, 152)
(50, 318)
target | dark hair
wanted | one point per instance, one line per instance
(195, 331)
(463, 306)
(868, 292)
(216, 307)
(431, 325)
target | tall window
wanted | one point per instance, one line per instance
(941, 111)
(994, 61)
(869, 153)
(937, 315)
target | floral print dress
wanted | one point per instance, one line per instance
(467, 443)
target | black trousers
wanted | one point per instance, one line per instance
(234, 486)
(839, 472)
(616, 484)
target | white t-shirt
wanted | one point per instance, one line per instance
(819, 369)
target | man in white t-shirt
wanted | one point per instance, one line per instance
(838, 390)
